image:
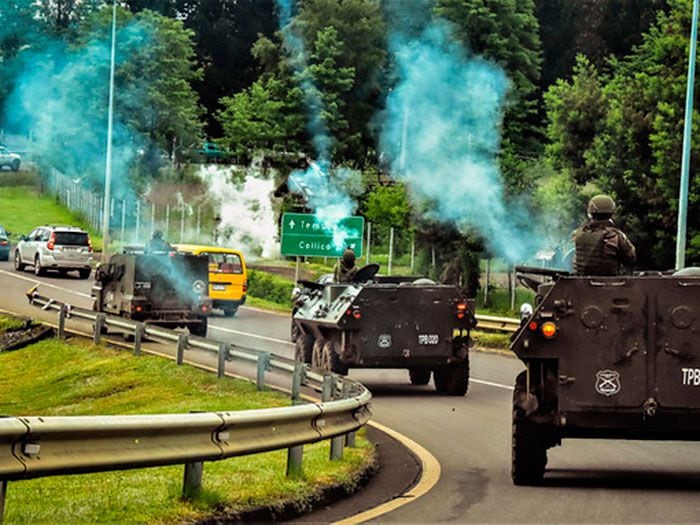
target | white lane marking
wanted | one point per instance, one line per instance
(489, 383)
(42, 283)
(248, 334)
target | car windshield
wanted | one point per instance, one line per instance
(225, 263)
(71, 238)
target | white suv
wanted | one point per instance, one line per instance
(61, 248)
(12, 160)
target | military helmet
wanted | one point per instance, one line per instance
(157, 234)
(601, 204)
(349, 257)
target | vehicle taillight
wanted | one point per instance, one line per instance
(137, 308)
(354, 312)
(245, 287)
(89, 244)
(205, 308)
(4, 243)
(549, 329)
(461, 310)
(52, 241)
(533, 326)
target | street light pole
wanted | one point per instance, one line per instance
(110, 125)
(687, 128)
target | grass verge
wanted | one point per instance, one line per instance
(77, 378)
(24, 208)
(9, 323)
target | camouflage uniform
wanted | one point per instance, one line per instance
(345, 269)
(601, 248)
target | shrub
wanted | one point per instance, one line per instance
(270, 287)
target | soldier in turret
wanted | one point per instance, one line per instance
(157, 244)
(601, 247)
(345, 268)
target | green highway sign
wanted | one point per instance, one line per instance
(309, 236)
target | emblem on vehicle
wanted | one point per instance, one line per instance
(384, 341)
(199, 286)
(607, 382)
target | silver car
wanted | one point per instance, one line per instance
(60, 248)
(11, 160)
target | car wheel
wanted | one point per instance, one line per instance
(229, 311)
(84, 273)
(38, 270)
(303, 348)
(419, 375)
(19, 265)
(15, 165)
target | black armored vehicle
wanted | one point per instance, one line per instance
(606, 357)
(387, 322)
(168, 289)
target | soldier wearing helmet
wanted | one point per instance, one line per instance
(601, 247)
(157, 244)
(345, 268)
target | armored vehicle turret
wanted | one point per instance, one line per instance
(387, 322)
(606, 357)
(168, 289)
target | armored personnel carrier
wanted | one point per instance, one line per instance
(168, 289)
(606, 357)
(387, 322)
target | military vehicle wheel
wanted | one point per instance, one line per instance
(200, 328)
(317, 353)
(453, 379)
(330, 360)
(294, 332)
(529, 451)
(303, 349)
(15, 165)
(84, 273)
(419, 376)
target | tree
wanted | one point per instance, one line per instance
(575, 111)
(507, 32)
(636, 154)
(386, 207)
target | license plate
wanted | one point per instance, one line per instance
(428, 339)
(218, 287)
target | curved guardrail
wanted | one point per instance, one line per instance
(496, 324)
(33, 447)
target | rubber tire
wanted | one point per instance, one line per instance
(303, 348)
(317, 353)
(199, 329)
(453, 379)
(84, 273)
(419, 376)
(230, 311)
(294, 332)
(38, 270)
(330, 360)
(19, 265)
(15, 165)
(528, 450)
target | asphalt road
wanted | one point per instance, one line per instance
(586, 481)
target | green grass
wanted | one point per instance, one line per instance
(22, 208)
(9, 323)
(77, 378)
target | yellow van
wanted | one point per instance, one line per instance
(228, 277)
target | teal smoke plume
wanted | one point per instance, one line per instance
(441, 134)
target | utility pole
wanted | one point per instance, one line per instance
(110, 126)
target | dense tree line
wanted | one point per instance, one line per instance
(594, 104)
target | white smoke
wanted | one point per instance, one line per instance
(246, 212)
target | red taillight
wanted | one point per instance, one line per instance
(356, 314)
(533, 326)
(4, 243)
(205, 308)
(89, 244)
(245, 287)
(52, 241)
(138, 308)
(462, 309)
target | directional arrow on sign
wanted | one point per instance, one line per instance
(292, 223)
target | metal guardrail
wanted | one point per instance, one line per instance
(497, 324)
(32, 447)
